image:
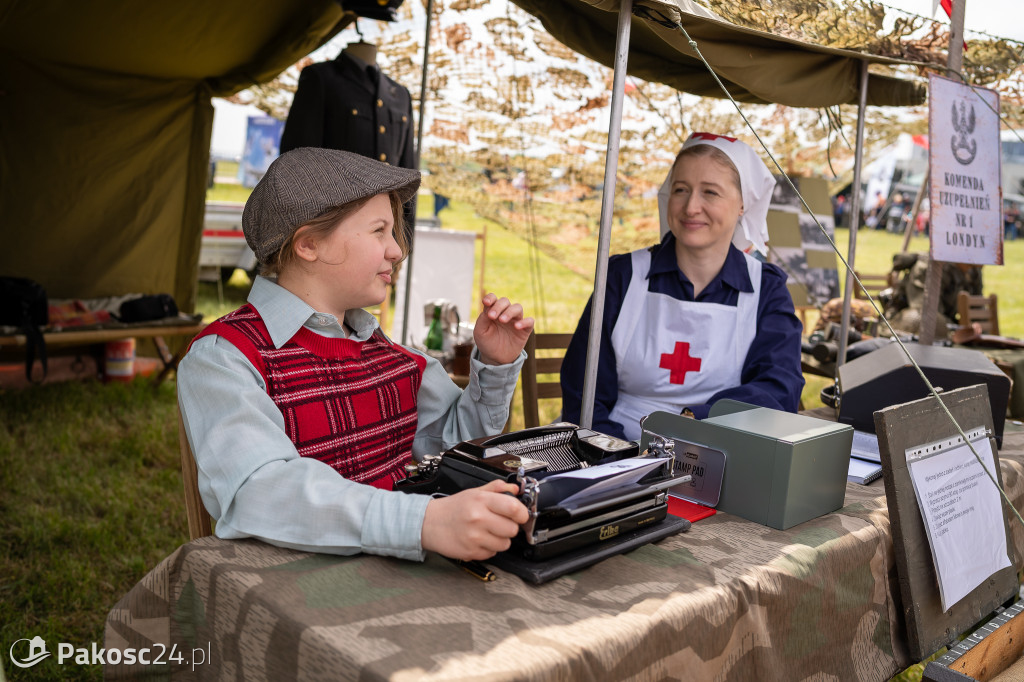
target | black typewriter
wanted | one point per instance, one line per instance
(590, 495)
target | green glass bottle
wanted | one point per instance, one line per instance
(435, 338)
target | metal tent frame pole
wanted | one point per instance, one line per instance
(855, 203)
(933, 278)
(611, 166)
(416, 165)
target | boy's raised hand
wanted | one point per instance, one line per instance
(476, 523)
(501, 331)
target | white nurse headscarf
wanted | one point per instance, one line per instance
(756, 186)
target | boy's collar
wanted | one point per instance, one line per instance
(284, 313)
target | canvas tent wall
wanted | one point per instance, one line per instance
(105, 128)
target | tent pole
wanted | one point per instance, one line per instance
(933, 278)
(611, 166)
(416, 165)
(851, 254)
(423, 85)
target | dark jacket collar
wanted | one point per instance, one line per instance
(733, 274)
(367, 76)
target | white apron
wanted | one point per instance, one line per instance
(673, 353)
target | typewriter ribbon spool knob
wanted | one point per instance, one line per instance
(661, 447)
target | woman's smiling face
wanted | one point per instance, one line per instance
(705, 202)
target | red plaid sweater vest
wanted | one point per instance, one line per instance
(349, 404)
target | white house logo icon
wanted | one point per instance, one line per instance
(36, 652)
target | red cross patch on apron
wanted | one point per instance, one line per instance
(679, 362)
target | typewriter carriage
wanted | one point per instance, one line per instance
(553, 448)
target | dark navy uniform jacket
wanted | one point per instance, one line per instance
(348, 105)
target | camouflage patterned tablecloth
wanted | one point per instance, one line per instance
(728, 600)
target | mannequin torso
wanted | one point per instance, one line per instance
(364, 52)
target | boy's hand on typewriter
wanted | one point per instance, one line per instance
(474, 524)
(501, 331)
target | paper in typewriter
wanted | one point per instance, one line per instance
(578, 487)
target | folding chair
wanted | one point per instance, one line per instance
(873, 283)
(535, 390)
(199, 522)
(982, 310)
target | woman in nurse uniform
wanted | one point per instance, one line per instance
(697, 317)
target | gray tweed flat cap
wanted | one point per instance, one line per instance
(304, 183)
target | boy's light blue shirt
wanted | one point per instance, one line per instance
(252, 479)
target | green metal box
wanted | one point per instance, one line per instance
(781, 468)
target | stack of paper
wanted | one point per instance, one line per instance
(865, 461)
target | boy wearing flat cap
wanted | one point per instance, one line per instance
(302, 414)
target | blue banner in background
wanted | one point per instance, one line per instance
(440, 203)
(262, 146)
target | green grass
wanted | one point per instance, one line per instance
(227, 169)
(90, 490)
(213, 300)
(90, 500)
(549, 292)
(228, 192)
(876, 248)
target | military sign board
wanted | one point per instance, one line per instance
(964, 153)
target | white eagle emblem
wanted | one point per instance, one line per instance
(964, 149)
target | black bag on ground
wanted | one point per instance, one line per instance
(146, 308)
(23, 304)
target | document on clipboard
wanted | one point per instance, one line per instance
(962, 512)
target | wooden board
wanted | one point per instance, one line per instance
(909, 425)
